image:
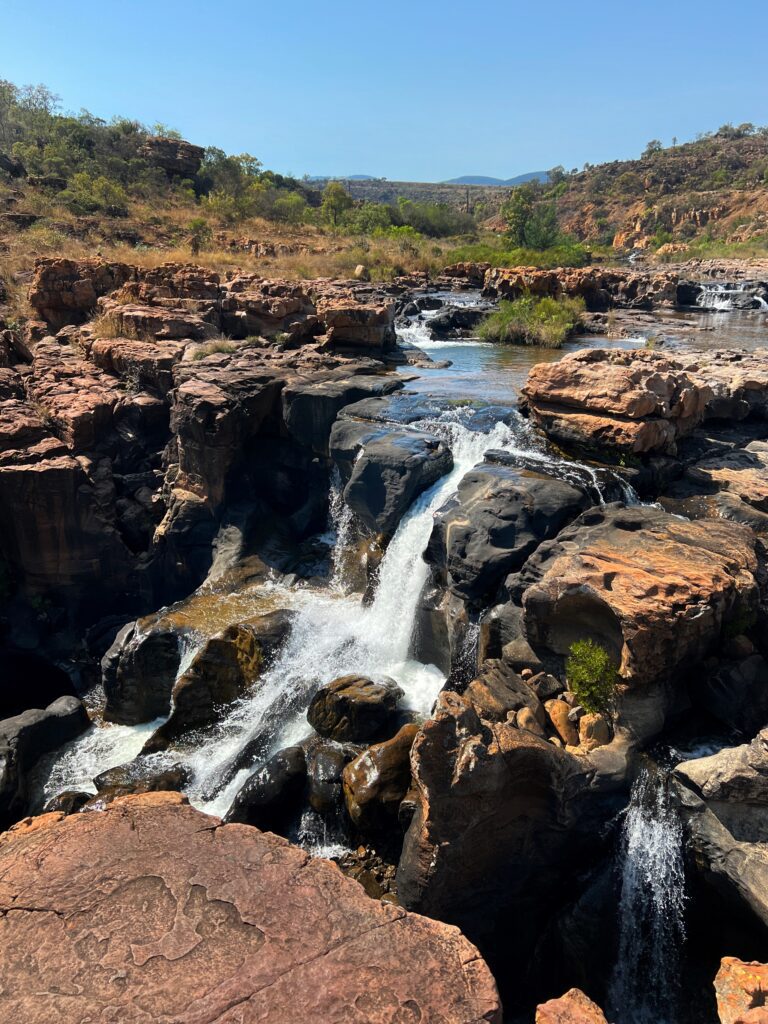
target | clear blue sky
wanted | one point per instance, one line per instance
(419, 90)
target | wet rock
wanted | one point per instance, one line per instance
(310, 407)
(377, 781)
(238, 919)
(138, 673)
(326, 764)
(632, 401)
(385, 470)
(69, 802)
(652, 589)
(135, 777)
(742, 991)
(724, 804)
(736, 693)
(573, 1008)
(498, 517)
(354, 708)
(222, 670)
(457, 321)
(26, 738)
(272, 796)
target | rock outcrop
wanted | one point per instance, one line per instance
(629, 401)
(152, 911)
(654, 590)
(177, 157)
(742, 992)
(724, 802)
(599, 287)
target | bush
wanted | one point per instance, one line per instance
(533, 321)
(591, 674)
(87, 194)
(566, 254)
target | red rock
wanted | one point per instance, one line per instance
(638, 401)
(66, 291)
(742, 992)
(600, 287)
(150, 911)
(573, 1008)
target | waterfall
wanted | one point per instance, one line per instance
(724, 297)
(340, 524)
(644, 987)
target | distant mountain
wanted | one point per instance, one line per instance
(479, 179)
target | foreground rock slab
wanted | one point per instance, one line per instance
(573, 1008)
(152, 911)
(742, 992)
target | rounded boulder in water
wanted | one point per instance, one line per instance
(354, 708)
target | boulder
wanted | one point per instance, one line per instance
(350, 323)
(652, 589)
(376, 782)
(634, 402)
(26, 738)
(573, 1008)
(384, 470)
(354, 708)
(599, 287)
(742, 992)
(198, 921)
(457, 321)
(736, 378)
(724, 805)
(497, 518)
(272, 796)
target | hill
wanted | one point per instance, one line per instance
(479, 179)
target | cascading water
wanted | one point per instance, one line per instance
(645, 982)
(333, 632)
(726, 297)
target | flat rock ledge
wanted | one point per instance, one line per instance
(153, 912)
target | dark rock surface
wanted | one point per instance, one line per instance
(354, 708)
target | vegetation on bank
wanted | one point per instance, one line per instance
(591, 674)
(530, 320)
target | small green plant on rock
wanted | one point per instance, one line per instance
(591, 674)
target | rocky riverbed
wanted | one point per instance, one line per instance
(267, 559)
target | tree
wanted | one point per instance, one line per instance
(336, 200)
(530, 222)
(654, 146)
(290, 207)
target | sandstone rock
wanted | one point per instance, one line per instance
(24, 739)
(384, 470)
(377, 781)
(736, 693)
(354, 708)
(742, 472)
(573, 1008)
(498, 517)
(742, 992)
(499, 690)
(66, 291)
(144, 364)
(594, 731)
(600, 287)
(652, 589)
(737, 379)
(724, 804)
(77, 399)
(325, 767)
(490, 829)
(237, 919)
(471, 273)
(635, 401)
(154, 323)
(353, 324)
(177, 157)
(558, 713)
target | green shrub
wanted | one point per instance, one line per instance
(566, 254)
(533, 321)
(591, 674)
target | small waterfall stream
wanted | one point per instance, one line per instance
(644, 988)
(725, 297)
